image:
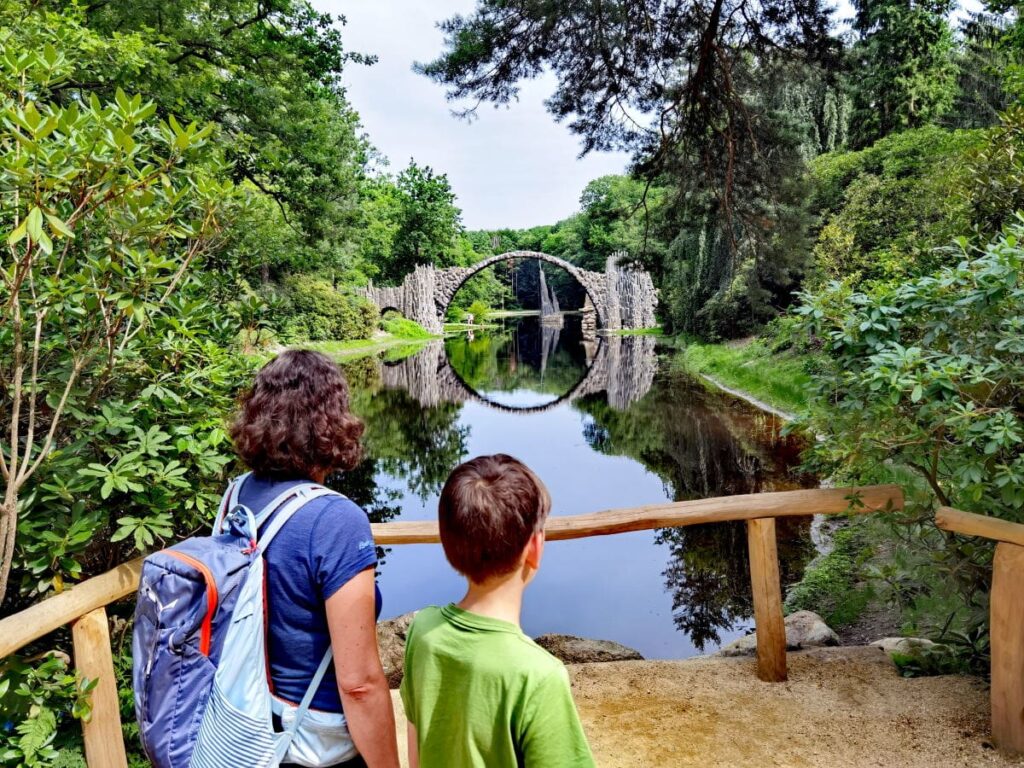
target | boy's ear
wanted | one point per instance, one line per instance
(535, 550)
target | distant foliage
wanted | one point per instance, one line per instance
(317, 311)
(886, 209)
(426, 224)
(929, 375)
(903, 71)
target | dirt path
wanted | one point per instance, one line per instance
(842, 708)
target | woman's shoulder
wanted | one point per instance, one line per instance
(333, 511)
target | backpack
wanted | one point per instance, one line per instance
(203, 696)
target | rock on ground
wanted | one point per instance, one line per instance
(391, 641)
(804, 629)
(842, 708)
(906, 646)
(579, 650)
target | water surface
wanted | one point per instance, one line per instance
(605, 423)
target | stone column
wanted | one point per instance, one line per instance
(613, 319)
(420, 287)
(589, 321)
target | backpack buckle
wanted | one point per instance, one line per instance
(242, 523)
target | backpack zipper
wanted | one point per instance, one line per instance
(206, 633)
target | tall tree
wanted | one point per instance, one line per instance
(673, 63)
(428, 223)
(983, 60)
(268, 74)
(903, 69)
(680, 83)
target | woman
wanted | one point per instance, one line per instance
(294, 426)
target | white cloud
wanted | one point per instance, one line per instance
(511, 167)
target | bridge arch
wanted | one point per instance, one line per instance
(449, 374)
(452, 279)
(622, 296)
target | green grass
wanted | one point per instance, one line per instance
(398, 332)
(638, 332)
(360, 347)
(830, 585)
(401, 328)
(459, 327)
(779, 379)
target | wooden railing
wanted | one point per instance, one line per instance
(84, 606)
(1006, 619)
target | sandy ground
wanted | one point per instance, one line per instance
(841, 707)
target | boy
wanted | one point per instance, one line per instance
(477, 691)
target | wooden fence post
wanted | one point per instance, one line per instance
(1007, 632)
(764, 578)
(104, 744)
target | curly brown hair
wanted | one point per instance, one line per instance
(295, 421)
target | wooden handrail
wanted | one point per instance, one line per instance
(970, 524)
(42, 618)
(748, 506)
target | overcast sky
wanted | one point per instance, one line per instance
(513, 167)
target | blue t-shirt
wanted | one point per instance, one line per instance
(323, 545)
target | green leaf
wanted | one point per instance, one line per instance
(45, 243)
(18, 234)
(35, 224)
(58, 227)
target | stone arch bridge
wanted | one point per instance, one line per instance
(620, 297)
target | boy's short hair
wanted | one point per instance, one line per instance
(490, 507)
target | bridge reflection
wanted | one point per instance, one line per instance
(622, 366)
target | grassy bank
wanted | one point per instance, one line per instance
(780, 379)
(395, 331)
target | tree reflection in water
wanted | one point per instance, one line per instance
(524, 355)
(700, 444)
(703, 445)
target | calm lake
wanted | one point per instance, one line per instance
(605, 423)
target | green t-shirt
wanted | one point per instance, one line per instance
(481, 693)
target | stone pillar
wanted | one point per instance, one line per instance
(633, 296)
(613, 312)
(419, 288)
(589, 321)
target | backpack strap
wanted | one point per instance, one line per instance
(307, 701)
(300, 495)
(229, 501)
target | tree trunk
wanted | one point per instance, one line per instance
(8, 531)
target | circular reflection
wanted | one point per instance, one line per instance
(523, 364)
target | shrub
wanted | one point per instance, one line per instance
(479, 310)
(316, 311)
(929, 375)
(39, 697)
(885, 209)
(403, 328)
